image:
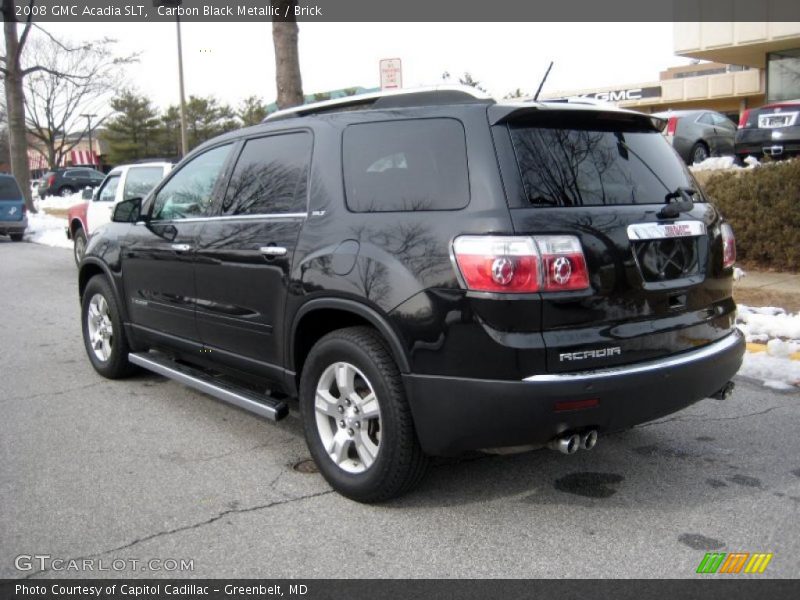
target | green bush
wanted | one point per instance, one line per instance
(763, 207)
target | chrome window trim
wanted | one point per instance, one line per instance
(302, 215)
(691, 356)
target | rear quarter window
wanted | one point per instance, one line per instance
(576, 166)
(407, 165)
(140, 180)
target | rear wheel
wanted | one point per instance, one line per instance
(357, 421)
(103, 334)
(15, 237)
(79, 245)
(699, 153)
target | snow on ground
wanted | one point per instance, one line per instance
(47, 230)
(58, 201)
(716, 163)
(780, 331)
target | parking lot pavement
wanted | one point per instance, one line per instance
(148, 469)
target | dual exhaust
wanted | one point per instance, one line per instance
(570, 443)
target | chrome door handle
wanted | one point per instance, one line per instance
(181, 247)
(272, 250)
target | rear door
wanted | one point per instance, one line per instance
(12, 202)
(158, 255)
(244, 256)
(656, 284)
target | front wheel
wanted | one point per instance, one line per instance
(66, 191)
(103, 333)
(357, 421)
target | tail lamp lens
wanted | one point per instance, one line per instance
(51, 180)
(521, 264)
(728, 246)
(672, 125)
(743, 118)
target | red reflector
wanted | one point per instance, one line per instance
(672, 125)
(743, 118)
(565, 405)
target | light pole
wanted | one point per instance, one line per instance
(175, 4)
(91, 150)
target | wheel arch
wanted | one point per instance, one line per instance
(91, 267)
(319, 317)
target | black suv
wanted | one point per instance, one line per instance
(426, 273)
(64, 182)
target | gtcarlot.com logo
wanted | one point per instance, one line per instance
(734, 562)
(46, 562)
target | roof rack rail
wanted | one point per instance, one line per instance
(420, 96)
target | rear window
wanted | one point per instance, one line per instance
(409, 165)
(597, 165)
(9, 190)
(140, 181)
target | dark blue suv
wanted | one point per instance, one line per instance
(13, 218)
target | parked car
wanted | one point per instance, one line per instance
(64, 182)
(13, 214)
(699, 134)
(427, 272)
(121, 183)
(772, 130)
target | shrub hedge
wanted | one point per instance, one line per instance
(763, 207)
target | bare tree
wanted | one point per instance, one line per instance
(287, 57)
(74, 80)
(13, 75)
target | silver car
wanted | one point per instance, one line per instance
(698, 134)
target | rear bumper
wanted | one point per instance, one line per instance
(7, 227)
(453, 415)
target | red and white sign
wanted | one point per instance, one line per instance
(391, 74)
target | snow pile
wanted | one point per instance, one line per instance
(58, 201)
(717, 163)
(781, 333)
(738, 273)
(47, 230)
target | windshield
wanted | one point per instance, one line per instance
(594, 167)
(9, 190)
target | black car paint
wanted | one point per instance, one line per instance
(225, 306)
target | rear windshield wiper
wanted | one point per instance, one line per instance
(673, 207)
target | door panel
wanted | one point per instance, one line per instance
(244, 258)
(158, 255)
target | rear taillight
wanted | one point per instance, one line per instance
(743, 118)
(672, 125)
(728, 246)
(51, 181)
(517, 264)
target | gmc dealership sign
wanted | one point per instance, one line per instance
(625, 94)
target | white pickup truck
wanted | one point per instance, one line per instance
(121, 183)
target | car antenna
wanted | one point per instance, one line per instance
(538, 91)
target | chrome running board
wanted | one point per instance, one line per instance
(261, 405)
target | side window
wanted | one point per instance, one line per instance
(723, 121)
(270, 176)
(140, 181)
(408, 165)
(188, 192)
(706, 119)
(108, 192)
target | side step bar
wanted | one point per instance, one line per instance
(261, 405)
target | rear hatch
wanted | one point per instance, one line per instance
(657, 285)
(12, 203)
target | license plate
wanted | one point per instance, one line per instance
(777, 120)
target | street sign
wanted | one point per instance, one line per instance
(391, 74)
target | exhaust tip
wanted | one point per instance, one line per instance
(567, 444)
(724, 392)
(589, 440)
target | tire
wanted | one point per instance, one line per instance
(381, 459)
(15, 237)
(78, 245)
(66, 191)
(698, 153)
(104, 339)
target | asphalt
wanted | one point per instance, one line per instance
(147, 469)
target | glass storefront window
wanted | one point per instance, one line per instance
(783, 75)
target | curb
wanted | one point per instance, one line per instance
(755, 348)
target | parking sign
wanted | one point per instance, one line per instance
(391, 73)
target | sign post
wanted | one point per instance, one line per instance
(391, 74)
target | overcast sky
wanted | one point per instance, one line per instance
(232, 61)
